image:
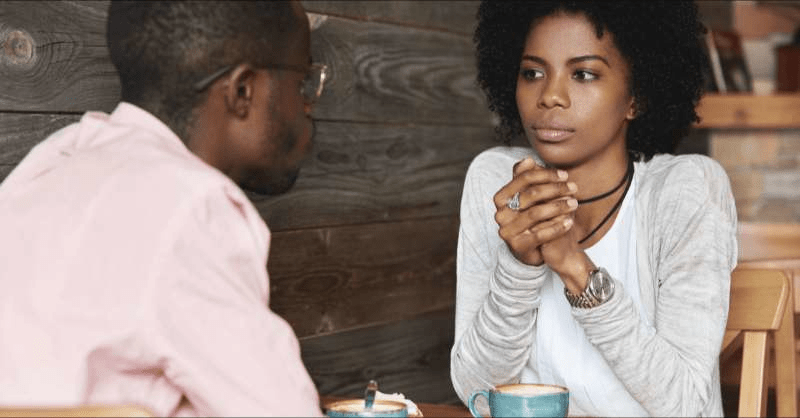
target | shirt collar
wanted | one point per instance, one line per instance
(129, 114)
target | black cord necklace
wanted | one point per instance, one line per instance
(610, 192)
(627, 180)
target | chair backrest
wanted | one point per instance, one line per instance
(77, 411)
(757, 305)
(758, 299)
(777, 246)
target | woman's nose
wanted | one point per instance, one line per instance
(554, 93)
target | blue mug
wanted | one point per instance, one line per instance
(355, 408)
(524, 400)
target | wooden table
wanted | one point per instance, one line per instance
(429, 410)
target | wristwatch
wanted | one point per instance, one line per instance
(599, 289)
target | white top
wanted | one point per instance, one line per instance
(661, 337)
(594, 388)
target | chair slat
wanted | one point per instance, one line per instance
(752, 392)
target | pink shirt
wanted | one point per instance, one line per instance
(133, 272)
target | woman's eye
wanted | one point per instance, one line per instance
(583, 75)
(530, 74)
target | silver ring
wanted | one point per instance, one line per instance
(513, 203)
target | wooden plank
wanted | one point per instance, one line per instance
(357, 173)
(379, 72)
(334, 279)
(20, 132)
(746, 111)
(370, 173)
(411, 357)
(456, 16)
(385, 73)
(55, 57)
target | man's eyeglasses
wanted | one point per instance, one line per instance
(311, 89)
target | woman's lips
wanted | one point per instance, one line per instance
(552, 134)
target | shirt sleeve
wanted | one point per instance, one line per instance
(497, 295)
(223, 347)
(692, 241)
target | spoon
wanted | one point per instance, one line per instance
(369, 394)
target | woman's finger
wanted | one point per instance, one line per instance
(554, 183)
(552, 229)
(524, 165)
(534, 196)
(513, 223)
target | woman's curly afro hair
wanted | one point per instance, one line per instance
(659, 39)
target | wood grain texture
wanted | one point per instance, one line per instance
(456, 16)
(357, 173)
(361, 173)
(411, 357)
(334, 279)
(390, 74)
(53, 57)
(20, 132)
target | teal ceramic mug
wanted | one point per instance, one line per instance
(355, 408)
(524, 400)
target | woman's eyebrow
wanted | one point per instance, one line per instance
(570, 61)
(588, 58)
(534, 59)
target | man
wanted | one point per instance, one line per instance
(133, 266)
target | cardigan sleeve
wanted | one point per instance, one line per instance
(497, 295)
(692, 242)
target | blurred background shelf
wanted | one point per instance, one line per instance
(749, 111)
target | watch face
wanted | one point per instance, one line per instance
(601, 285)
(599, 288)
(605, 289)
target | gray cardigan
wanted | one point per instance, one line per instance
(686, 249)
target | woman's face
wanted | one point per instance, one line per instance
(572, 92)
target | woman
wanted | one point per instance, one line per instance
(593, 259)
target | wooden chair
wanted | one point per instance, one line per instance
(777, 246)
(757, 306)
(77, 411)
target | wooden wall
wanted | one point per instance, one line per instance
(363, 254)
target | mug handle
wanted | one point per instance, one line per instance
(472, 409)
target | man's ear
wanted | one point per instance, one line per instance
(240, 89)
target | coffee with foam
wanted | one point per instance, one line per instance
(523, 400)
(530, 390)
(357, 408)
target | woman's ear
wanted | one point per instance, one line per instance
(633, 110)
(239, 90)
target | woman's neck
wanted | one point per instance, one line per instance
(601, 211)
